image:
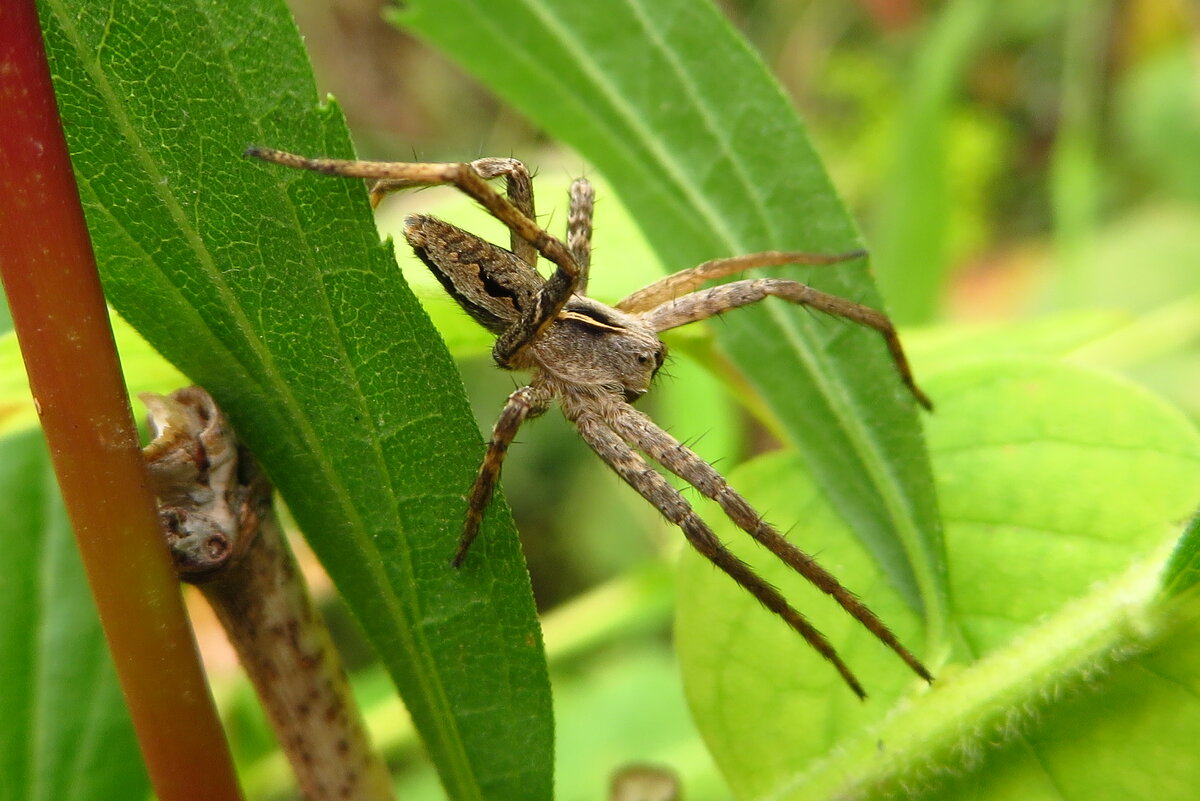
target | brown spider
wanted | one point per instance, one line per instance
(598, 359)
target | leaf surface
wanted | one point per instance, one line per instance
(270, 288)
(65, 734)
(1063, 491)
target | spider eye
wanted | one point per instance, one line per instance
(643, 358)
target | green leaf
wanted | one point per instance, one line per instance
(943, 347)
(916, 206)
(270, 288)
(1156, 114)
(64, 731)
(1076, 176)
(1062, 491)
(705, 151)
(1183, 570)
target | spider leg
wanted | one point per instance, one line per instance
(579, 229)
(518, 186)
(710, 302)
(553, 294)
(518, 183)
(399, 174)
(634, 470)
(639, 431)
(523, 404)
(685, 281)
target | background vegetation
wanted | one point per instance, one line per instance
(1025, 176)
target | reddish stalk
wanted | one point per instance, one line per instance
(58, 310)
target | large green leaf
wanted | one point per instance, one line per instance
(916, 205)
(707, 154)
(270, 288)
(64, 729)
(1063, 491)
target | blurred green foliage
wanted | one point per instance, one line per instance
(1027, 176)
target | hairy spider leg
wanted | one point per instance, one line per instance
(579, 229)
(684, 281)
(518, 188)
(716, 300)
(635, 471)
(668, 304)
(642, 433)
(553, 294)
(527, 402)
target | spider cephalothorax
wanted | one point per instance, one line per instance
(596, 360)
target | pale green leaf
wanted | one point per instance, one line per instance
(1063, 491)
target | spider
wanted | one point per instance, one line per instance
(596, 360)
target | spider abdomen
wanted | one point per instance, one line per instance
(490, 283)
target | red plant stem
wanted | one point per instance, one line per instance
(58, 311)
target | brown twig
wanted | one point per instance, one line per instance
(218, 518)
